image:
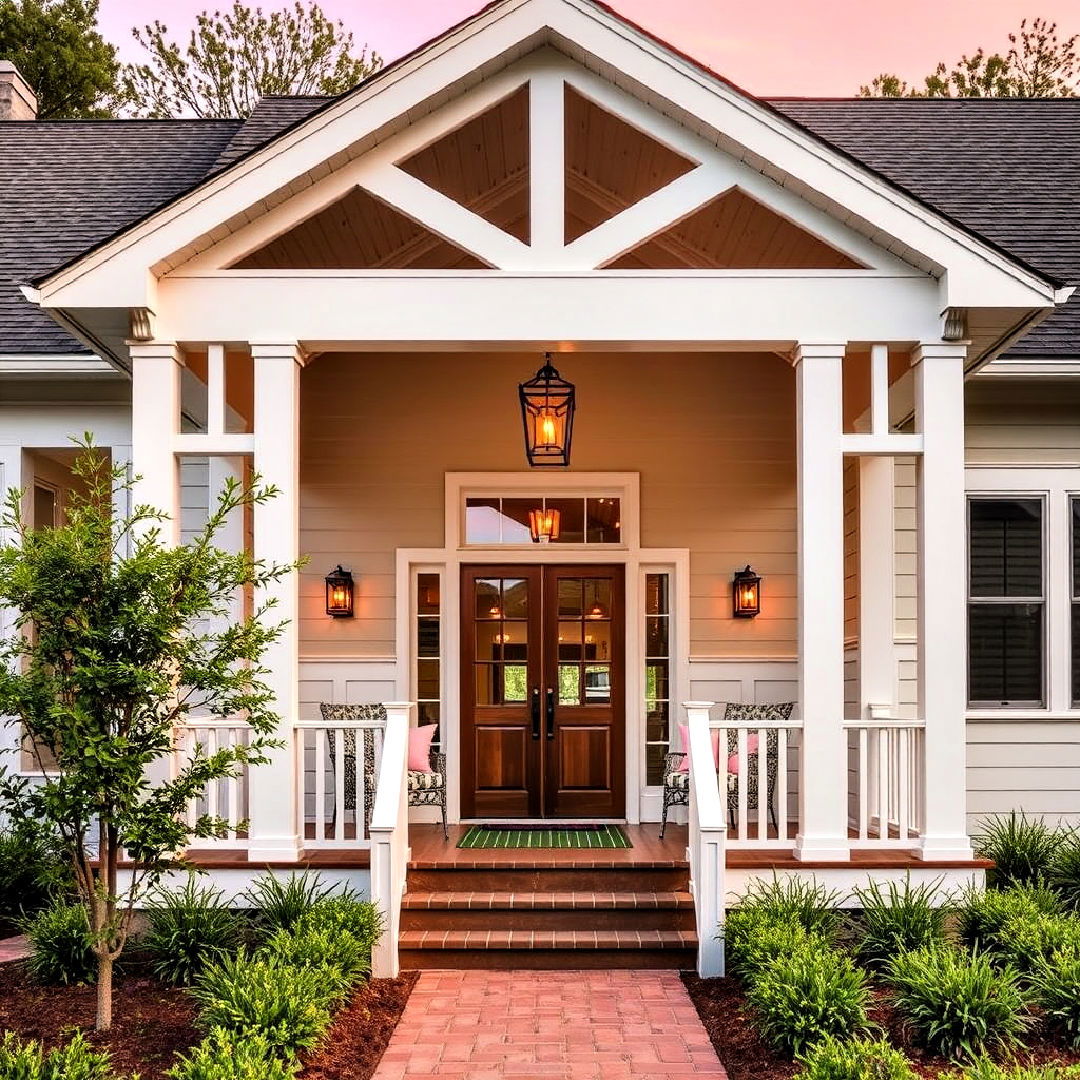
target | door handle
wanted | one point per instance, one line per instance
(535, 707)
(550, 713)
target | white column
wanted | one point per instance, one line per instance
(942, 627)
(823, 780)
(877, 587)
(155, 423)
(274, 829)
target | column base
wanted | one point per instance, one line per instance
(822, 848)
(265, 849)
(945, 849)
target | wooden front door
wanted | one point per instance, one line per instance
(543, 694)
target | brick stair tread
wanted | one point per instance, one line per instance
(547, 939)
(551, 861)
(459, 900)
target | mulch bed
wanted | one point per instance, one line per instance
(728, 1019)
(152, 1022)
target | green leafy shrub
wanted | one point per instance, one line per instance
(222, 1056)
(32, 870)
(188, 929)
(806, 902)
(289, 1007)
(1055, 982)
(1023, 941)
(897, 918)
(324, 950)
(1065, 869)
(804, 996)
(754, 938)
(854, 1059)
(345, 914)
(985, 1069)
(77, 1060)
(1023, 849)
(279, 903)
(61, 949)
(982, 912)
(958, 1005)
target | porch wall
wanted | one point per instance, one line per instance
(712, 436)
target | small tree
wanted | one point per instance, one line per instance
(119, 638)
(233, 59)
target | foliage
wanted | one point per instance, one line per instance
(806, 995)
(32, 869)
(130, 638)
(189, 928)
(343, 913)
(807, 902)
(221, 1056)
(983, 912)
(1024, 940)
(289, 1007)
(1023, 849)
(957, 1004)
(1065, 869)
(854, 1059)
(754, 938)
(278, 904)
(897, 919)
(78, 1060)
(61, 948)
(319, 949)
(985, 1069)
(1055, 982)
(56, 46)
(1037, 64)
(235, 57)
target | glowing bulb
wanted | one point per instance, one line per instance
(548, 433)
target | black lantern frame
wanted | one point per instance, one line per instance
(547, 413)
(339, 593)
(746, 594)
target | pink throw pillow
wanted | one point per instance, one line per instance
(751, 748)
(684, 736)
(420, 747)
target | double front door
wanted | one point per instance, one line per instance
(543, 694)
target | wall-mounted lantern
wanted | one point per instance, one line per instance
(547, 412)
(339, 593)
(544, 525)
(746, 594)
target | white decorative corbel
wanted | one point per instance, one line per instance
(140, 324)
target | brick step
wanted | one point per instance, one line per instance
(551, 950)
(526, 878)
(547, 911)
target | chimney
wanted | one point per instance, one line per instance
(17, 100)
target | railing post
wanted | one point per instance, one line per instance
(389, 833)
(707, 835)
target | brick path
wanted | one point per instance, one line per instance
(14, 948)
(574, 1025)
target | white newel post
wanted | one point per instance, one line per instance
(155, 423)
(877, 661)
(274, 833)
(823, 781)
(942, 626)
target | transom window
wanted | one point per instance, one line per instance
(590, 520)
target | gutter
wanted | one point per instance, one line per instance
(64, 318)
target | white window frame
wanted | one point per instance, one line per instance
(1053, 484)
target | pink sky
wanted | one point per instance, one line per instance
(770, 47)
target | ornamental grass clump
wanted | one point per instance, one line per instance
(958, 1005)
(344, 913)
(1023, 849)
(809, 903)
(342, 958)
(1065, 870)
(221, 1056)
(754, 938)
(278, 903)
(61, 947)
(77, 1060)
(896, 919)
(1024, 941)
(806, 995)
(985, 1069)
(983, 912)
(1055, 983)
(188, 929)
(854, 1059)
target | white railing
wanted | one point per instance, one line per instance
(226, 798)
(337, 766)
(886, 788)
(389, 832)
(707, 835)
(761, 794)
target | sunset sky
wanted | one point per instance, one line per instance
(770, 47)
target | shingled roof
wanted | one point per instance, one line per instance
(1008, 170)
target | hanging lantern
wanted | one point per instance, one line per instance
(746, 594)
(339, 593)
(547, 411)
(544, 525)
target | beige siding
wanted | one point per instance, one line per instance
(711, 435)
(1013, 422)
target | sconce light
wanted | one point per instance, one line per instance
(544, 525)
(746, 594)
(339, 593)
(547, 411)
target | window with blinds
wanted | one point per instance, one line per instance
(1006, 602)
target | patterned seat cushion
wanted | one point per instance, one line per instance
(425, 781)
(680, 781)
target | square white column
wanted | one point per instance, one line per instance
(823, 781)
(155, 424)
(274, 828)
(942, 586)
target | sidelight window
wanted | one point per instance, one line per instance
(657, 674)
(429, 642)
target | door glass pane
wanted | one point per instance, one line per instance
(571, 521)
(1005, 653)
(515, 596)
(427, 635)
(656, 680)
(656, 722)
(427, 594)
(597, 685)
(597, 598)
(597, 640)
(488, 599)
(515, 640)
(488, 684)
(602, 521)
(515, 677)
(569, 684)
(489, 640)
(656, 594)
(656, 635)
(1006, 547)
(569, 596)
(427, 679)
(570, 639)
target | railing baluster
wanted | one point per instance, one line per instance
(339, 783)
(902, 764)
(883, 784)
(863, 780)
(781, 784)
(320, 782)
(741, 784)
(763, 784)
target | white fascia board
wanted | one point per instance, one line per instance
(55, 365)
(116, 274)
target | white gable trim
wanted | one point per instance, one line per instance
(117, 275)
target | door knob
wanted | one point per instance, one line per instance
(535, 709)
(550, 700)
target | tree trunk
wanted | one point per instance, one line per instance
(104, 993)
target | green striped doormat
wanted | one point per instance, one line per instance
(540, 836)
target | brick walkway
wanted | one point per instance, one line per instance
(574, 1025)
(14, 948)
